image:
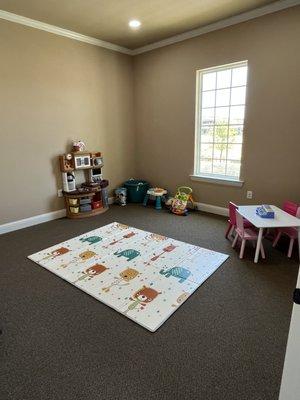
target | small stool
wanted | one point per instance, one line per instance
(158, 193)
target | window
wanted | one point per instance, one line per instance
(220, 110)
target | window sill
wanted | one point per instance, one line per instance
(218, 181)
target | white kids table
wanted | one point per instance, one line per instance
(282, 220)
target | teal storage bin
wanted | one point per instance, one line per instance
(136, 190)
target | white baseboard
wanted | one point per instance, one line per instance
(39, 219)
(212, 209)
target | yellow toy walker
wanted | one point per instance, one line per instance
(180, 201)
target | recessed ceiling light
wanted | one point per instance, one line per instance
(134, 24)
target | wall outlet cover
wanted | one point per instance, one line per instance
(59, 193)
(249, 194)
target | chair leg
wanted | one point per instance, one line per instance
(291, 248)
(276, 239)
(262, 250)
(228, 230)
(242, 248)
(235, 240)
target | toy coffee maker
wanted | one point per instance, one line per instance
(121, 196)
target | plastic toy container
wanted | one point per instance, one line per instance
(73, 202)
(85, 207)
(85, 201)
(136, 190)
(96, 204)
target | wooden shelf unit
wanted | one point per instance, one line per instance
(81, 214)
(88, 161)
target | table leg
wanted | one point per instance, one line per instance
(158, 203)
(259, 239)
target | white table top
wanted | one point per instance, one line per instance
(282, 219)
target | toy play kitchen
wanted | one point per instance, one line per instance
(91, 197)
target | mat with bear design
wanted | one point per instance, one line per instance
(142, 275)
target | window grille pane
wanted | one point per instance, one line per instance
(209, 81)
(237, 115)
(234, 152)
(206, 166)
(233, 168)
(221, 134)
(208, 116)
(221, 109)
(220, 150)
(208, 99)
(222, 116)
(222, 97)
(223, 79)
(238, 95)
(207, 134)
(219, 167)
(235, 134)
(206, 150)
(239, 76)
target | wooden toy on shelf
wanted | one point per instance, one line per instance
(78, 145)
(82, 160)
(68, 180)
(96, 160)
(91, 197)
(66, 162)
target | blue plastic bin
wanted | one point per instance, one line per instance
(136, 190)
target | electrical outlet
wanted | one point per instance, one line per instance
(60, 193)
(249, 194)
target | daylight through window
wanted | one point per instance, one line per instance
(221, 93)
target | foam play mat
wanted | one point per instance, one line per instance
(142, 275)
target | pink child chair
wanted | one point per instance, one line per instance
(232, 220)
(292, 233)
(245, 234)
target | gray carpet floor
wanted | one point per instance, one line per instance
(227, 342)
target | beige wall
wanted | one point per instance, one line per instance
(165, 82)
(140, 112)
(53, 90)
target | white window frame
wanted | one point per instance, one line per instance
(213, 178)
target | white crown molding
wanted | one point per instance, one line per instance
(237, 19)
(62, 32)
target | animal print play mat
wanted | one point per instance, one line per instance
(142, 275)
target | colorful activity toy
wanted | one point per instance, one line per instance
(180, 202)
(158, 194)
